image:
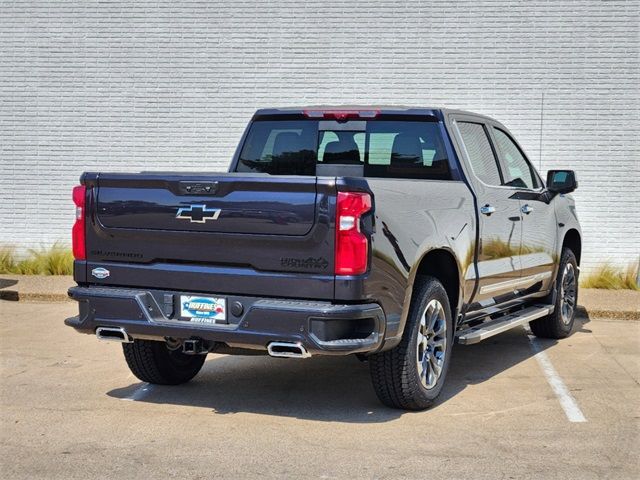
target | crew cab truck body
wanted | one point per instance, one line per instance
(384, 232)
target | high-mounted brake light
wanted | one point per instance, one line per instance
(77, 232)
(352, 246)
(341, 115)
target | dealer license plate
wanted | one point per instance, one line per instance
(207, 310)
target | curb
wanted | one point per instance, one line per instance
(35, 288)
(631, 315)
(16, 296)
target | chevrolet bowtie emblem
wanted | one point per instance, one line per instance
(198, 213)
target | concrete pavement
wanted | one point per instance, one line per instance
(71, 409)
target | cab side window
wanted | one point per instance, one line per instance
(519, 173)
(483, 161)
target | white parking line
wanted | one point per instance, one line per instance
(567, 402)
(140, 392)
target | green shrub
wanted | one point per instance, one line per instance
(7, 260)
(610, 277)
(56, 260)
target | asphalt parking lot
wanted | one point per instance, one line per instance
(71, 409)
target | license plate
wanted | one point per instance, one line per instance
(203, 309)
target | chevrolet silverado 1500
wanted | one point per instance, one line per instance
(389, 233)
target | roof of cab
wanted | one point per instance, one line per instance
(437, 112)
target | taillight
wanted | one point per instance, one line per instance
(77, 233)
(352, 246)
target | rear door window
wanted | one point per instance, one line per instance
(483, 161)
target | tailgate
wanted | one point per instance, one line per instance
(222, 203)
(229, 233)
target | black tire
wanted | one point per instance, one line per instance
(560, 324)
(153, 362)
(395, 373)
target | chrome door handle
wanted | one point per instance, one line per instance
(526, 209)
(487, 210)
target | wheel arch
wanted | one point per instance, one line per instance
(573, 241)
(442, 264)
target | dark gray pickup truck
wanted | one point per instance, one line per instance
(389, 233)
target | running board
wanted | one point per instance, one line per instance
(490, 328)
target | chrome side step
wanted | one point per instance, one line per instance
(490, 328)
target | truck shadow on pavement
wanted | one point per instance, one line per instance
(332, 389)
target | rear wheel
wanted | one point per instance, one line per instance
(154, 362)
(411, 375)
(560, 323)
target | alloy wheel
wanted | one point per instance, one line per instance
(431, 344)
(568, 292)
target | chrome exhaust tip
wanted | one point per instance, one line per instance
(113, 334)
(287, 350)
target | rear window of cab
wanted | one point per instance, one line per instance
(384, 148)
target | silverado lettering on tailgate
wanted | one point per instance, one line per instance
(319, 263)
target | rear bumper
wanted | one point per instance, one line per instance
(321, 327)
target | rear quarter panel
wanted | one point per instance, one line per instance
(412, 218)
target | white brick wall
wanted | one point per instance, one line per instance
(156, 85)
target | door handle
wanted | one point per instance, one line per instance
(526, 209)
(487, 210)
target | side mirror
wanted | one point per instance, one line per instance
(561, 181)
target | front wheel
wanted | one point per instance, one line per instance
(560, 323)
(154, 362)
(411, 375)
